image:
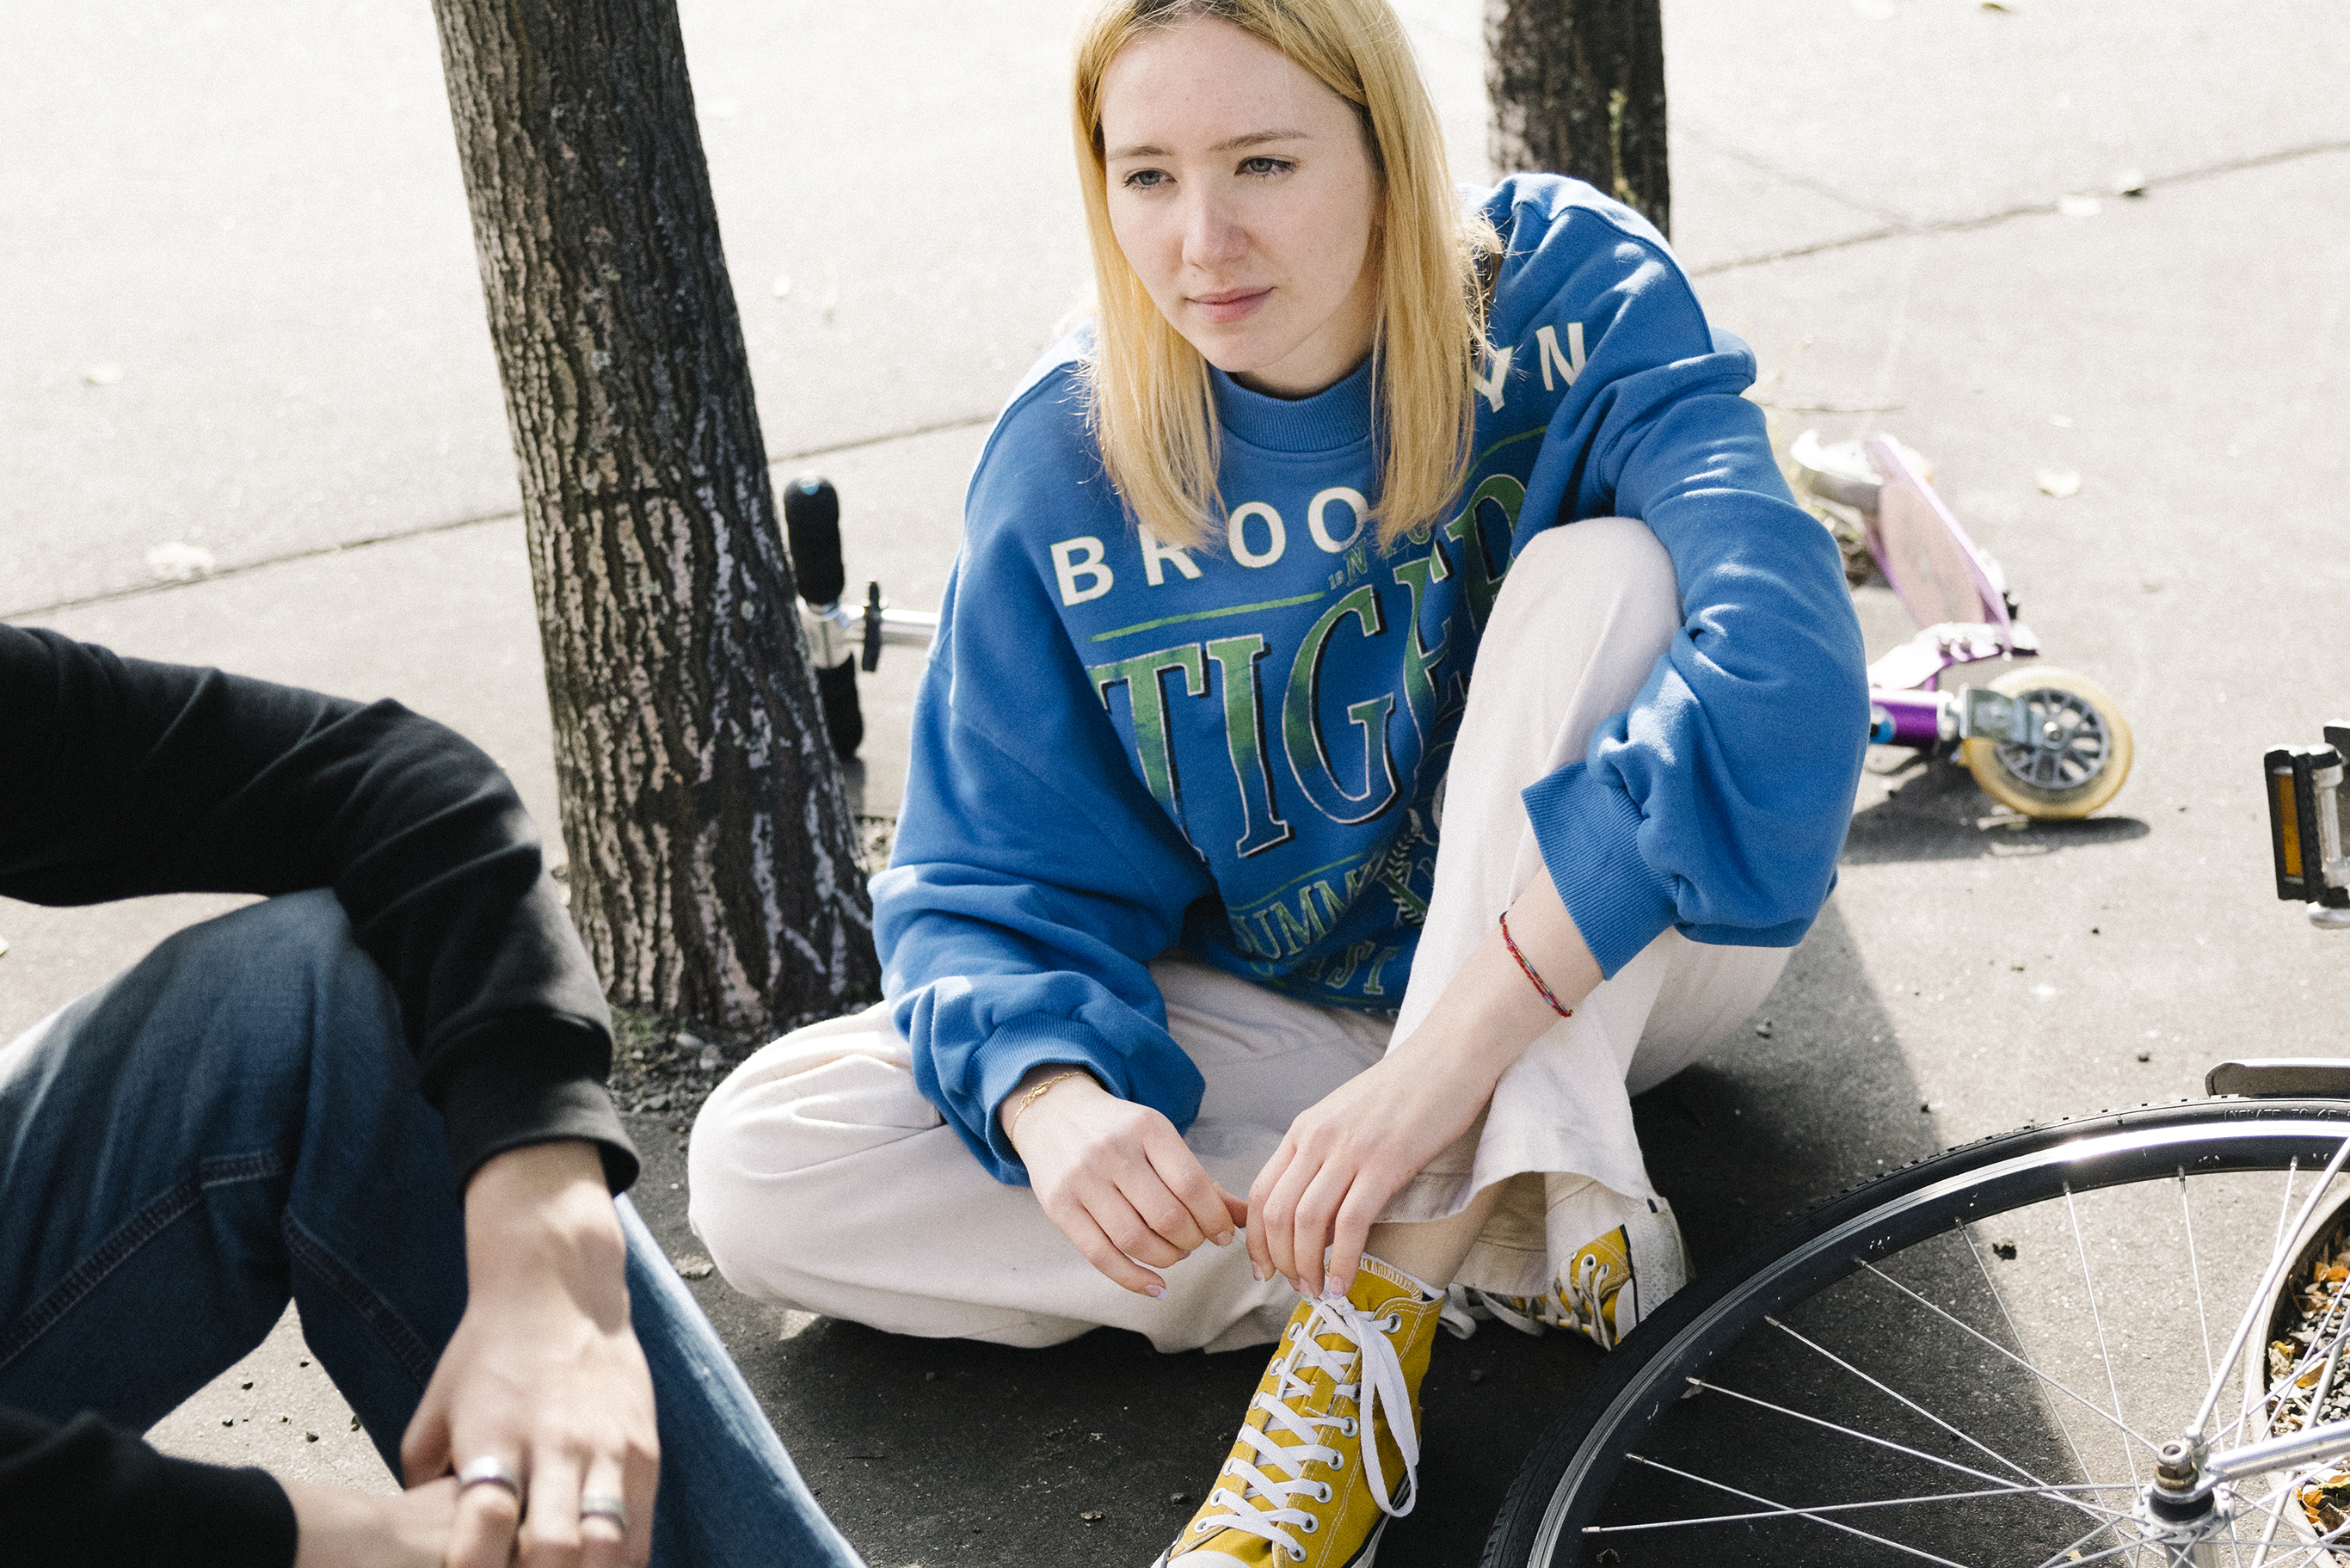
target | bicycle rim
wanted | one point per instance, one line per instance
(1967, 1361)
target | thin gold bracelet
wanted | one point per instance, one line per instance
(1038, 1093)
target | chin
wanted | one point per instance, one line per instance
(1238, 354)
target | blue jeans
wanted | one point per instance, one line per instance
(235, 1121)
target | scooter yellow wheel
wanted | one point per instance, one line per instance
(2078, 753)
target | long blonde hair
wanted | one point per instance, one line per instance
(1153, 414)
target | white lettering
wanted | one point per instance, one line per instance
(1155, 556)
(1236, 533)
(1570, 364)
(1354, 501)
(1491, 384)
(1080, 558)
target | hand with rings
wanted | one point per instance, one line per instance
(541, 1408)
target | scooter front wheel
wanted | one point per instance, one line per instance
(2077, 755)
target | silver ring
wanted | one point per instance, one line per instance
(604, 1505)
(490, 1470)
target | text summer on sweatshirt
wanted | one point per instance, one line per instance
(1122, 747)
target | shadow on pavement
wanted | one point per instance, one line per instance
(936, 1452)
(1937, 813)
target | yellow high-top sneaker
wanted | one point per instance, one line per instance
(1608, 1286)
(1328, 1451)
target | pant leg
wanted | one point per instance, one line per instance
(180, 1154)
(235, 1121)
(1580, 622)
(822, 1179)
(730, 1496)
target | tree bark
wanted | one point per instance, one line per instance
(712, 862)
(1577, 87)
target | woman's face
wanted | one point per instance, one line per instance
(1243, 197)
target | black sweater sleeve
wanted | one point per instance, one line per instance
(85, 1492)
(119, 777)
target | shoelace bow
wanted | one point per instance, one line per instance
(1580, 1294)
(1382, 1384)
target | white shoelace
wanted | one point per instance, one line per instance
(1381, 1384)
(1579, 1292)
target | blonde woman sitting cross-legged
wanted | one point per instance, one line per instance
(1386, 713)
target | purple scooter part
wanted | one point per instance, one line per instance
(2043, 742)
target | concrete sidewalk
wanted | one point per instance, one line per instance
(252, 212)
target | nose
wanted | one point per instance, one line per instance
(1213, 236)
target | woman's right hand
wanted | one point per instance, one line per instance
(336, 1527)
(1118, 1179)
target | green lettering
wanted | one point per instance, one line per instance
(1419, 660)
(1301, 722)
(1371, 981)
(1244, 742)
(1154, 746)
(1484, 581)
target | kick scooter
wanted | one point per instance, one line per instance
(2041, 741)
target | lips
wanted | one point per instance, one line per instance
(1230, 305)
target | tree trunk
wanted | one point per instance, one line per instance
(712, 865)
(1577, 87)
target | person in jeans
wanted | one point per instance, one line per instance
(377, 1092)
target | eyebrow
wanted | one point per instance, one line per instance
(1253, 139)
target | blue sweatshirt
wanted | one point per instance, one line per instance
(1123, 747)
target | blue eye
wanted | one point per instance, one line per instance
(1262, 166)
(1145, 180)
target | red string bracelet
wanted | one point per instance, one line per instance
(1546, 996)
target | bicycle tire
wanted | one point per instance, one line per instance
(1568, 1478)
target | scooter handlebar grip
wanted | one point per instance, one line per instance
(812, 530)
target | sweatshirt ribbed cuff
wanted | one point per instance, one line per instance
(1588, 831)
(1021, 1046)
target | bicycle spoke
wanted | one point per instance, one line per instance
(2195, 1271)
(2037, 1485)
(2048, 1405)
(2065, 1553)
(2278, 1259)
(1790, 1511)
(1896, 1394)
(2093, 1407)
(1823, 1508)
(2105, 1353)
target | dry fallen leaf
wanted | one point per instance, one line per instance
(2059, 485)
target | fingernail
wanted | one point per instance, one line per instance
(1330, 1285)
(1225, 1240)
(1156, 1291)
(1257, 1268)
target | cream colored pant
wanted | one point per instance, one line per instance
(822, 1179)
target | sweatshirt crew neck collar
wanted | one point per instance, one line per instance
(1334, 418)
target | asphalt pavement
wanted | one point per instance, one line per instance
(246, 346)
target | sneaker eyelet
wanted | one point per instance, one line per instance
(1200, 1528)
(1327, 1493)
(1298, 1554)
(1310, 1524)
(1339, 1462)
(1348, 1427)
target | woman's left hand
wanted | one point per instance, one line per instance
(1349, 1154)
(1344, 1156)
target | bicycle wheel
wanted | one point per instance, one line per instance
(1969, 1361)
